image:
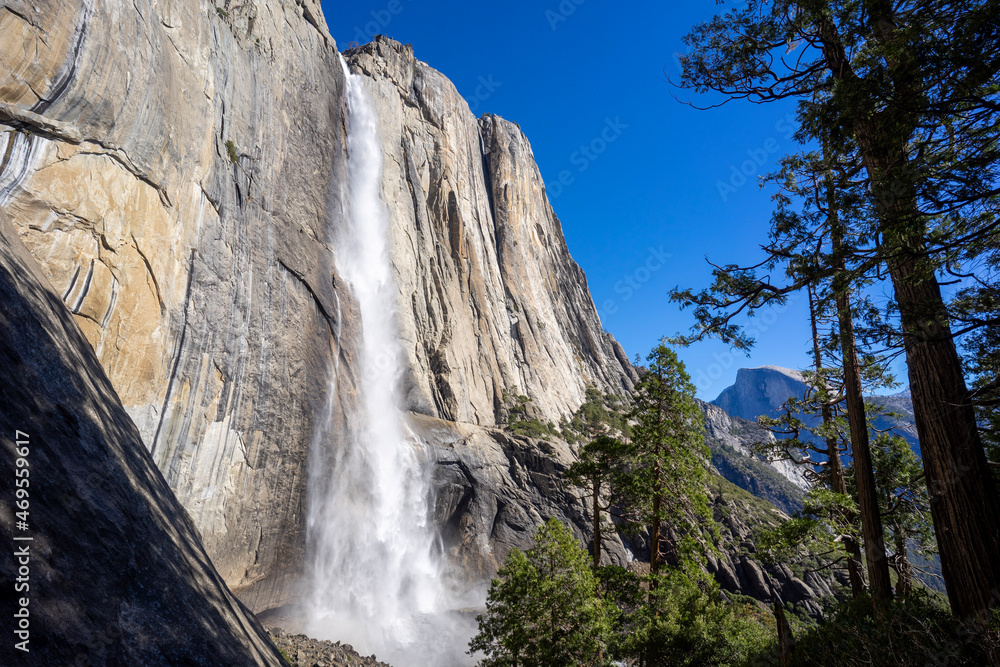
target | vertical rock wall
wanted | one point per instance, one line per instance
(170, 164)
(490, 298)
(176, 167)
(109, 567)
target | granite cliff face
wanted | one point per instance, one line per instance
(490, 302)
(760, 391)
(176, 169)
(489, 297)
(169, 164)
(109, 567)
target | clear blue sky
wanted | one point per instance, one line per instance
(569, 71)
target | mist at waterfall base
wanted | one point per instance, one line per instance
(377, 573)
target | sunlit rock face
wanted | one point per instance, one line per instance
(761, 391)
(781, 482)
(178, 171)
(109, 567)
(489, 301)
(170, 166)
(490, 298)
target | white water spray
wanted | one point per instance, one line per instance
(376, 577)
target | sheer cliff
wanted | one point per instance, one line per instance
(490, 304)
(490, 299)
(109, 568)
(177, 171)
(170, 165)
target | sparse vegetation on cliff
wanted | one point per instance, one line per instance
(520, 423)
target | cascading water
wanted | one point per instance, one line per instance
(376, 576)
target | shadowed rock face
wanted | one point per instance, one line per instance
(117, 572)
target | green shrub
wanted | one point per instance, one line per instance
(533, 428)
(231, 148)
(544, 609)
(916, 630)
(689, 624)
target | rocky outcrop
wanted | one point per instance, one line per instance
(493, 489)
(902, 421)
(170, 165)
(490, 303)
(303, 651)
(489, 298)
(109, 567)
(739, 568)
(730, 440)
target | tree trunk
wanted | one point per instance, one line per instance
(963, 507)
(654, 538)
(855, 572)
(963, 504)
(838, 482)
(871, 518)
(786, 643)
(654, 546)
(597, 523)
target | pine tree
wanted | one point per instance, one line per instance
(912, 87)
(903, 504)
(543, 609)
(599, 469)
(669, 476)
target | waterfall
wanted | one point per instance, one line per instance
(375, 573)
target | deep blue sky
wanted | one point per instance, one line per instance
(565, 76)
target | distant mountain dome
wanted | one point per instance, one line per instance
(760, 391)
(790, 372)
